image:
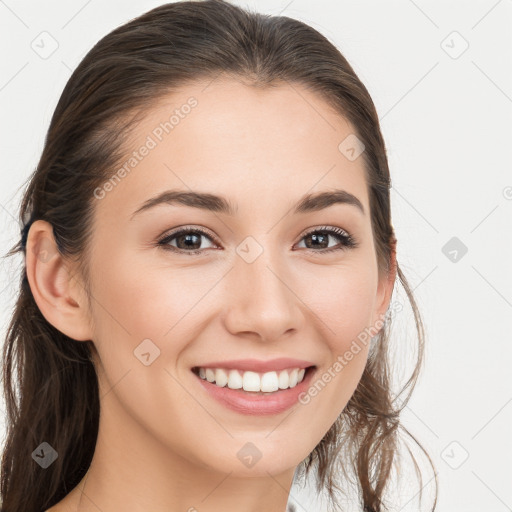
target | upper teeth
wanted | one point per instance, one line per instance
(252, 381)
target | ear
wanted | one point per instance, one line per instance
(386, 285)
(58, 293)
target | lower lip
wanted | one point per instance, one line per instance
(251, 403)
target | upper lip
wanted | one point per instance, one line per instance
(257, 365)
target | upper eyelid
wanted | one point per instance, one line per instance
(326, 228)
(175, 231)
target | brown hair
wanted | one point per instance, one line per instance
(117, 81)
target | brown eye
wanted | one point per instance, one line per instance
(187, 241)
(319, 239)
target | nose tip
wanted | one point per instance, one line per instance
(262, 302)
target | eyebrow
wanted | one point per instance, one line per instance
(219, 204)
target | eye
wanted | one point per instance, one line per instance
(186, 238)
(319, 238)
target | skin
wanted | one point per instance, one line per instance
(163, 444)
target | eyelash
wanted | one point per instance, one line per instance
(347, 240)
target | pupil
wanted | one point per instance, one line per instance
(189, 242)
(316, 238)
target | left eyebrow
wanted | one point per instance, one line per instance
(219, 204)
(321, 200)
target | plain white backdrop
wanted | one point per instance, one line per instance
(440, 75)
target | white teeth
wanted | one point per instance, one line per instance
(284, 379)
(221, 377)
(252, 381)
(293, 377)
(235, 380)
(269, 382)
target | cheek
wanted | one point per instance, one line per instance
(130, 308)
(342, 301)
(139, 298)
(343, 307)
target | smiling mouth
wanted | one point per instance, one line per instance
(255, 383)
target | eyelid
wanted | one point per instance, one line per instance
(186, 228)
(324, 228)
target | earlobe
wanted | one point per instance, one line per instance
(51, 282)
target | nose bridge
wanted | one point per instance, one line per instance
(262, 296)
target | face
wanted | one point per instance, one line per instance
(260, 282)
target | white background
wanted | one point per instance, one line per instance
(447, 125)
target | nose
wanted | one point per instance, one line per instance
(262, 300)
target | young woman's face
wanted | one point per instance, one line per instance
(261, 282)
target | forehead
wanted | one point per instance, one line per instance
(251, 144)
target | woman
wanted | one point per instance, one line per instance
(209, 266)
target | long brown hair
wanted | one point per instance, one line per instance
(50, 383)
